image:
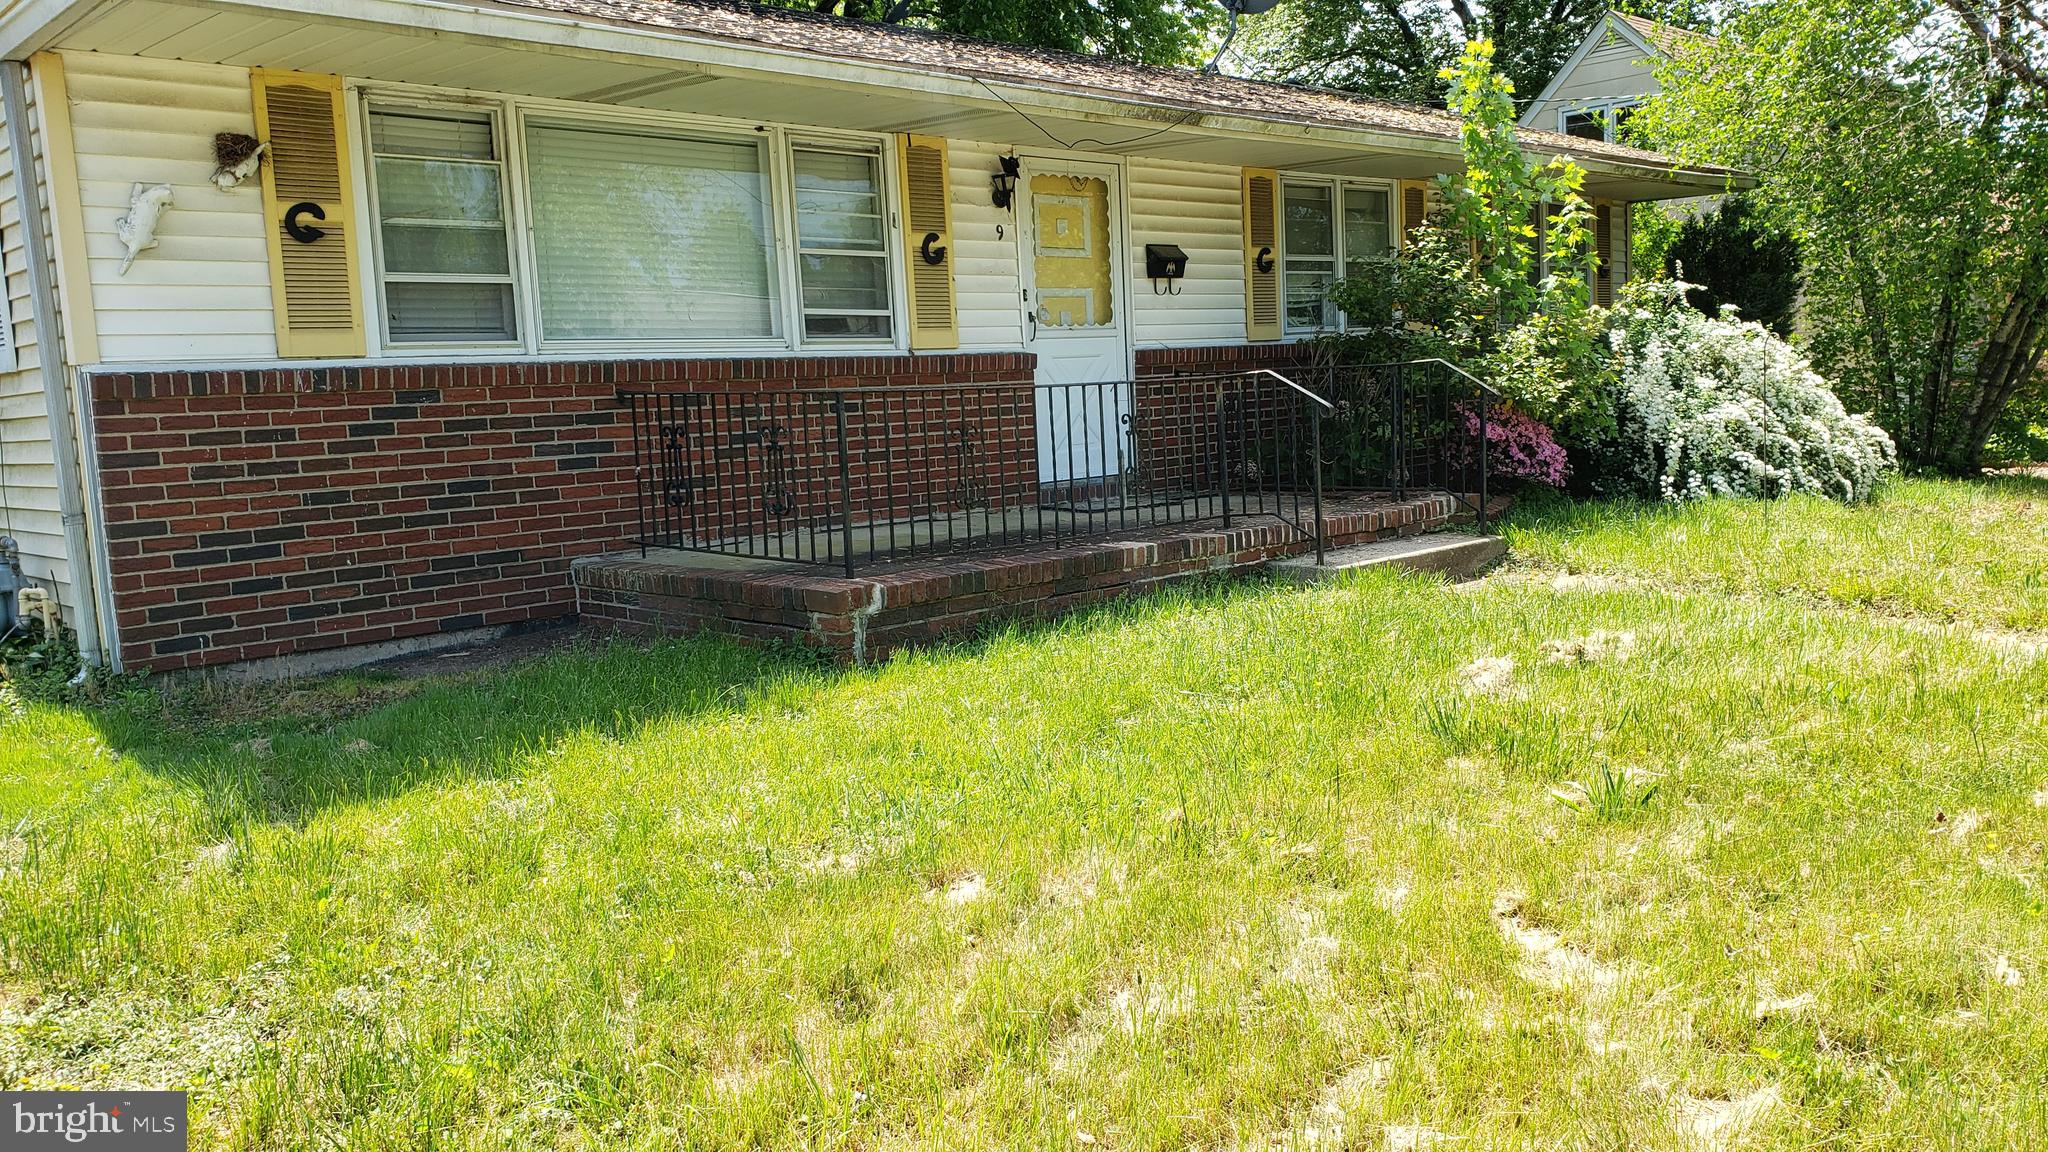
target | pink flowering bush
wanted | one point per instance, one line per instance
(1518, 447)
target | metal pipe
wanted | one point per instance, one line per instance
(50, 361)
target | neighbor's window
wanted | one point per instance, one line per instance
(1585, 125)
(842, 245)
(642, 235)
(1597, 123)
(440, 188)
(1309, 253)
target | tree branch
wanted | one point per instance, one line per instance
(2014, 62)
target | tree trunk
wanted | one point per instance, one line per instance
(2012, 355)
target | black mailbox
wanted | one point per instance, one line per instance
(1165, 261)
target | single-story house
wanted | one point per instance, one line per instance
(348, 325)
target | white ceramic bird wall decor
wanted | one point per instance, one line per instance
(137, 230)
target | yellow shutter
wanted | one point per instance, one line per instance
(1414, 209)
(1603, 251)
(1261, 254)
(313, 290)
(928, 228)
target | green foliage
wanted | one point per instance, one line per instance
(1494, 203)
(2022, 433)
(1911, 165)
(1396, 49)
(1424, 301)
(1559, 368)
(1736, 257)
(1652, 229)
(1147, 31)
(37, 666)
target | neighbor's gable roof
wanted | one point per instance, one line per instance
(1661, 37)
(1650, 37)
(1172, 89)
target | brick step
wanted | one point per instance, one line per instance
(1455, 554)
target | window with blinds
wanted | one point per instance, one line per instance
(842, 245)
(440, 194)
(1325, 228)
(644, 236)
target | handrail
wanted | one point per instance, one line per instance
(1327, 406)
(1483, 386)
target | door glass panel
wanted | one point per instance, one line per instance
(1070, 251)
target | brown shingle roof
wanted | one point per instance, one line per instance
(1663, 37)
(1176, 89)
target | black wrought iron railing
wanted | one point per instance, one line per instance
(1418, 425)
(862, 476)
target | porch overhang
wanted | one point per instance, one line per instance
(525, 50)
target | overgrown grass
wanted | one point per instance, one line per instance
(1974, 552)
(1237, 866)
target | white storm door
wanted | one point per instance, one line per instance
(1072, 264)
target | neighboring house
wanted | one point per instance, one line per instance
(375, 394)
(1613, 70)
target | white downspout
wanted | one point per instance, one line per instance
(50, 361)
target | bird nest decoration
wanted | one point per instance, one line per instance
(236, 156)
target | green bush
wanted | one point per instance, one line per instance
(1734, 257)
(1558, 368)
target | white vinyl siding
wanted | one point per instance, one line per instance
(204, 291)
(1618, 71)
(1195, 206)
(29, 509)
(987, 290)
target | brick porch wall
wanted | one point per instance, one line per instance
(261, 513)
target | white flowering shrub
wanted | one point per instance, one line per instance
(1723, 407)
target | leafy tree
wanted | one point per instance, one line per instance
(1736, 256)
(1495, 201)
(1398, 48)
(1908, 156)
(1147, 31)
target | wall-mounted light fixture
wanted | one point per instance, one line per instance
(1004, 182)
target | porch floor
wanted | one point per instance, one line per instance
(889, 605)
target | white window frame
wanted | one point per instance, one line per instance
(773, 169)
(885, 176)
(1605, 109)
(1337, 185)
(373, 102)
(511, 115)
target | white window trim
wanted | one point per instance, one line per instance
(1340, 258)
(512, 114)
(1602, 108)
(371, 102)
(885, 175)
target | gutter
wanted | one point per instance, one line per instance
(57, 394)
(596, 37)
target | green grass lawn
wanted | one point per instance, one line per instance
(1245, 866)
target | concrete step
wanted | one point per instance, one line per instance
(1455, 554)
